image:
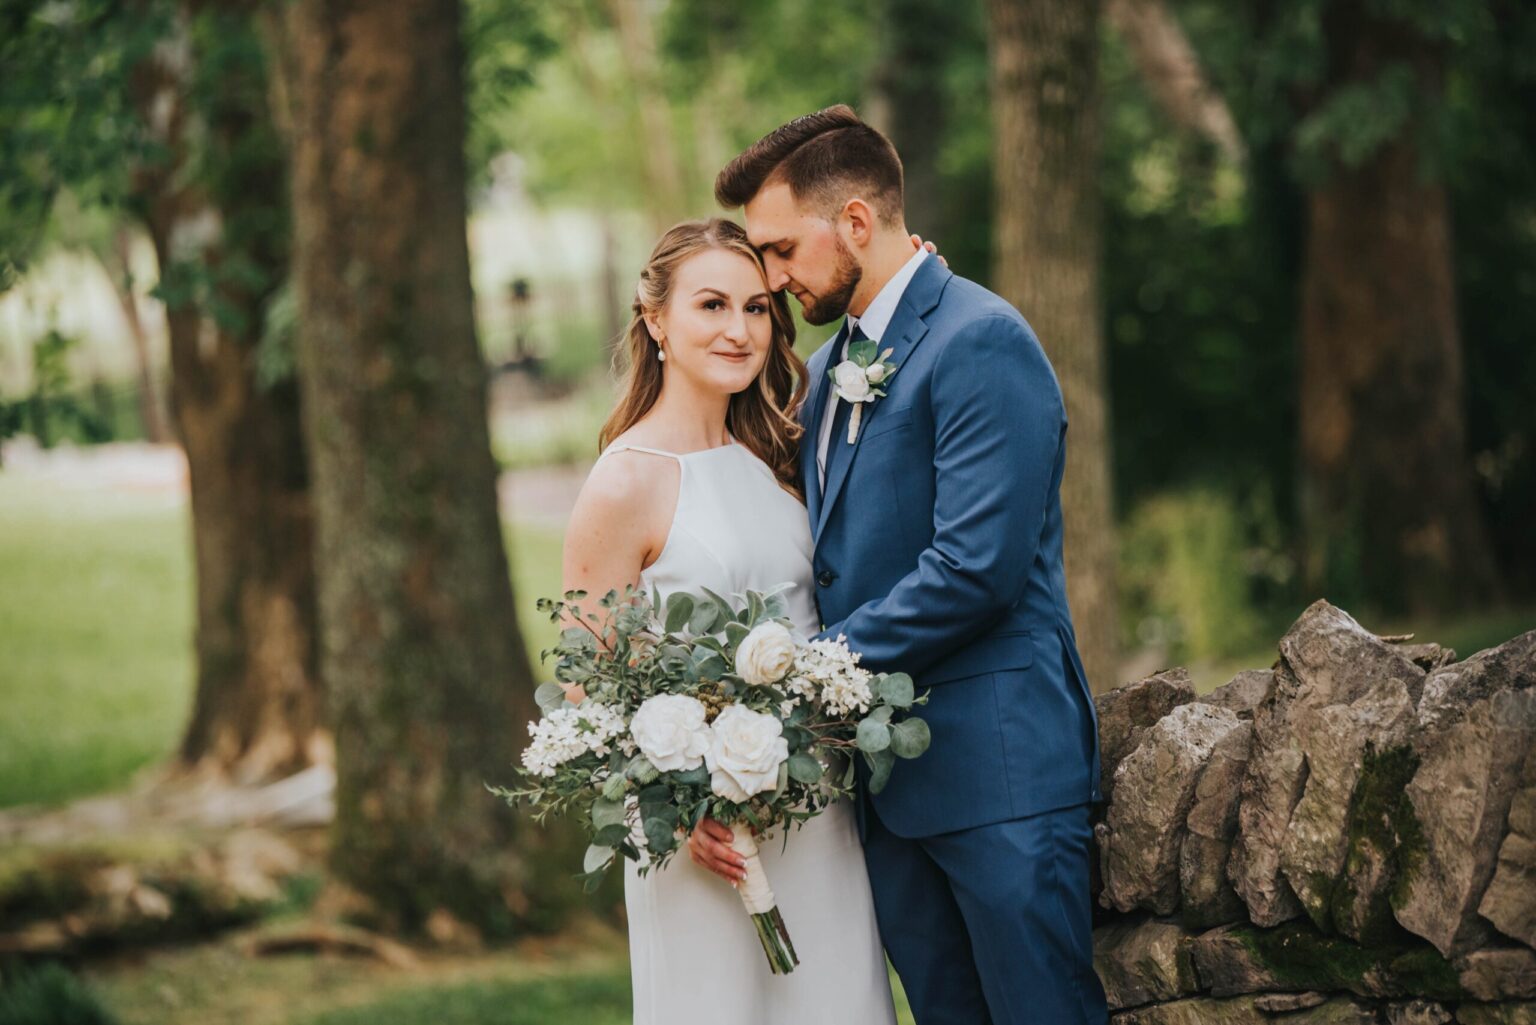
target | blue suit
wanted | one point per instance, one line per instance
(938, 553)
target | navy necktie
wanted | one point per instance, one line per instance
(839, 438)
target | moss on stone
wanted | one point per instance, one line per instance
(1301, 957)
(1421, 971)
(1382, 829)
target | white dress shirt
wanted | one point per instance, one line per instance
(877, 317)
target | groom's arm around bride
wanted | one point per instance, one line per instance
(938, 552)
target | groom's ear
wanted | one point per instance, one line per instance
(860, 221)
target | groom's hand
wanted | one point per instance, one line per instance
(710, 845)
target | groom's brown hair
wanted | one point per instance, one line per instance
(825, 158)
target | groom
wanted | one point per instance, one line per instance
(937, 526)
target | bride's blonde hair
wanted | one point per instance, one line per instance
(763, 416)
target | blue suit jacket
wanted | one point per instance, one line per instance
(938, 554)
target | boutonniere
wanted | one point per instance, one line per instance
(858, 378)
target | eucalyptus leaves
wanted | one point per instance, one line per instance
(700, 708)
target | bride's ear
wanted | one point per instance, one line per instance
(653, 327)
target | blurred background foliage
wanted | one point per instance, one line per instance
(594, 123)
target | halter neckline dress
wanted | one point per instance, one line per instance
(695, 958)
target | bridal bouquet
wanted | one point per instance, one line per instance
(697, 708)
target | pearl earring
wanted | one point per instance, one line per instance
(661, 355)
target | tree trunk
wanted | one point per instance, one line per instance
(1172, 72)
(428, 675)
(1388, 499)
(666, 193)
(257, 711)
(907, 103)
(1045, 109)
(117, 261)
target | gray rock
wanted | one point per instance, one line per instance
(1496, 1014)
(1154, 791)
(1499, 973)
(1127, 712)
(1450, 691)
(1333, 675)
(1471, 765)
(1510, 900)
(1243, 693)
(1337, 740)
(1228, 966)
(1338, 1011)
(1143, 963)
(1246, 1011)
(1337, 661)
(1427, 657)
(1418, 1012)
(1196, 1011)
(1206, 896)
(1282, 1003)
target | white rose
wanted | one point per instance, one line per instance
(852, 384)
(766, 655)
(671, 731)
(745, 752)
(875, 372)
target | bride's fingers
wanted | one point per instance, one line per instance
(724, 869)
(719, 858)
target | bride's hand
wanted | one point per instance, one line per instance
(574, 692)
(710, 846)
(917, 241)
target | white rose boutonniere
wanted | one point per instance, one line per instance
(857, 379)
(766, 655)
(745, 751)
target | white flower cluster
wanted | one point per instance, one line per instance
(828, 672)
(570, 732)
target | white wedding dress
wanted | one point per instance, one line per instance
(694, 954)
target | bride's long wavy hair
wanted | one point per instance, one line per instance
(762, 416)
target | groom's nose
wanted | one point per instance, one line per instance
(777, 278)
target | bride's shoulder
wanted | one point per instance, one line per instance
(626, 480)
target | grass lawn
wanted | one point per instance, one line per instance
(96, 621)
(578, 978)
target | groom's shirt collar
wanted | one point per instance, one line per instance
(877, 315)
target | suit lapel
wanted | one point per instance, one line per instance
(902, 335)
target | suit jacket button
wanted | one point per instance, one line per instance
(825, 578)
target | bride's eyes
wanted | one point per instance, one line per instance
(719, 304)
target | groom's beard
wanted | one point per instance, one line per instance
(834, 304)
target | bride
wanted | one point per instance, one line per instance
(696, 487)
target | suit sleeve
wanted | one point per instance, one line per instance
(999, 428)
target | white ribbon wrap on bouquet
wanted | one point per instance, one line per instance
(755, 891)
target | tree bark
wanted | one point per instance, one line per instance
(907, 103)
(117, 261)
(1045, 109)
(666, 193)
(1388, 498)
(258, 709)
(428, 676)
(1172, 72)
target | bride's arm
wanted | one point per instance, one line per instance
(613, 530)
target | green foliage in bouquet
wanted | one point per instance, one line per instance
(768, 738)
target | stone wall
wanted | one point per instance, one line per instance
(1347, 837)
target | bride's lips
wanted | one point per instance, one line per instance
(735, 357)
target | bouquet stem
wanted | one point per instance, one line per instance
(757, 897)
